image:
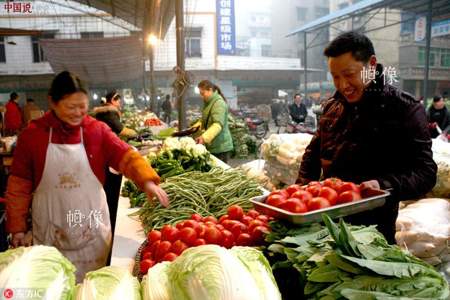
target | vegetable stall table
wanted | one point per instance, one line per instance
(129, 233)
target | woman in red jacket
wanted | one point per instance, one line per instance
(59, 169)
(13, 115)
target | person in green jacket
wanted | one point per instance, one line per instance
(216, 135)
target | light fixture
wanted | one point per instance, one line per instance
(147, 98)
(158, 97)
(152, 40)
(197, 90)
(95, 96)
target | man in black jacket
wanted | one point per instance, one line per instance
(438, 115)
(370, 133)
(297, 110)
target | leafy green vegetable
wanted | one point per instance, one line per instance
(40, 270)
(109, 283)
(348, 262)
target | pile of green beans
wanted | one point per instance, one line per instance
(207, 194)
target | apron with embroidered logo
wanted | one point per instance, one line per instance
(69, 208)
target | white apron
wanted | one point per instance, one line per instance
(69, 208)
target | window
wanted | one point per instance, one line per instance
(445, 58)
(321, 11)
(266, 50)
(192, 42)
(38, 52)
(301, 13)
(92, 35)
(2, 50)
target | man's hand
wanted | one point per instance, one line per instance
(371, 184)
(151, 189)
(200, 140)
(21, 239)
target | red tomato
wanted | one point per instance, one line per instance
(348, 196)
(162, 249)
(246, 220)
(220, 227)
(178, 247)
(314, 189)
(263, 218)
(334, 183)
(154, 247)
(275, 200)
(180, 225)
(153, 236)
(147, 255)
(238, 228)
(329, 194)
(201, 230)
(210, 219)
(314, 183)
(188, 235)
(244, 239)
(293, 188)
(303, 196)
(258, 234)
(170, 256)
(210, 224)
(348, 186)
(235, 212)
(228, 239)
(294, 205)
(228, 224)
(196, 217)
(282, 193)
(252, 213)
(145, 265)
(191, 223)
(169, 233)
(254, 224)
(318, 203)
(199, 242)
(213, 236)
(223, 218)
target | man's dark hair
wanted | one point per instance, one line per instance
(30, 100)
(112, 95)
(297, 95)
(167, 97)
(358, 44)
(13, 96)
(437, 98)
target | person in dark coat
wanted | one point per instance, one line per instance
(110, 114)
(370, 133)
(297, 110)
(438, 115)
(166, 107)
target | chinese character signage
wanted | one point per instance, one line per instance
(420, 29)
(226, 32)
(17, 7)
(440, 28)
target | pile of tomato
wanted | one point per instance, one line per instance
(152, 122)
(314, 196)
(233, 229)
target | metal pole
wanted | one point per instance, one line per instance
(179, 23)
(153, 100)
(427, 50)
(305, 64)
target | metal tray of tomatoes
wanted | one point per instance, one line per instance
(371, 198)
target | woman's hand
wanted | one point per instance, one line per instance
(200, 140)
(22, 239)
(151, 189)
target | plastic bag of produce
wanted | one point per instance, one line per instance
(109, 283)
(212, 272)
(441, 155)
(423, 228)
(283, 154)
(37, 272)
(255, 169)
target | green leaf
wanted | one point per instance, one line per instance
(338, 262)
(327, 273)
(390, 268)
